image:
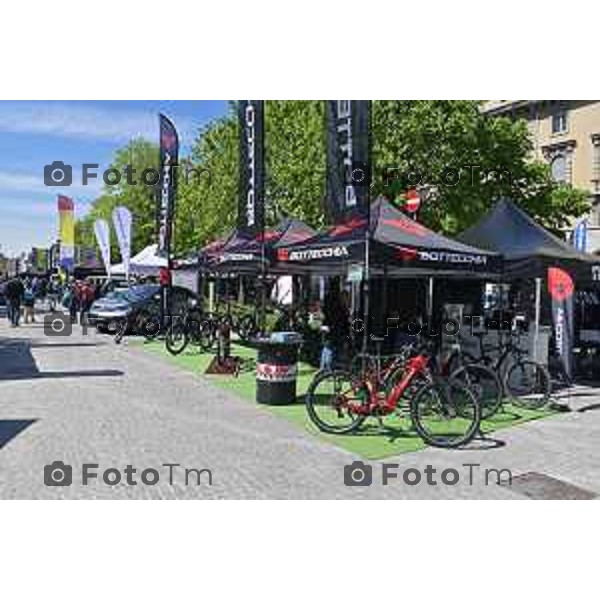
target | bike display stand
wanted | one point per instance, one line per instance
(223, 363)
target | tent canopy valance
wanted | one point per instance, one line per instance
(243, 253)
(398, 246)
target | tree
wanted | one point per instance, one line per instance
(464, 160)
(208, 195)
(295, 159)
(140, 198)
(295, 165)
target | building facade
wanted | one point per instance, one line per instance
(565, 134)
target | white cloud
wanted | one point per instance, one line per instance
(81, 121)
(26, 183)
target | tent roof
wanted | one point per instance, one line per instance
(242, 251)
(145, 262)
(399, 244)
(507, 229)
(526, 246)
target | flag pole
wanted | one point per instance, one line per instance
(367, 272)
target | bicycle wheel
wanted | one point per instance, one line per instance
(528, 384)
(446, 414)
(205, 334)
(484, 383)
(457, 360)
(329, 398)
(147, 324)
(246, 327)
(177, 338)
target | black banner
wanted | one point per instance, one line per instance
(251, 208)
(169, 153)
(560, 286)
(348, 124)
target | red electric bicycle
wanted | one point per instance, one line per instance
(444, 412)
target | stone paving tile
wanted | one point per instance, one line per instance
(91, 401)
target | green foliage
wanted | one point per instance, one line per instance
(140, 199)
(207, 204)
(295, 160)
(465, 159)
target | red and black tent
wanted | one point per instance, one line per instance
(398, 247)
(242, 253)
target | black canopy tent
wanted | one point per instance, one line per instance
(528, 251)
(399, 247)
(245, 255)
(209, 253)
(242, 254)
(527, 248)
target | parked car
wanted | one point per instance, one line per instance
(117, 306)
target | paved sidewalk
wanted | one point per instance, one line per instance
(83, 399)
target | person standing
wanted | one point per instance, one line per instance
(14, 291)
(337, 320)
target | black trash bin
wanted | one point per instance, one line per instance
(276, 371)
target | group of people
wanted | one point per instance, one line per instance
(78, 298)
(21, 293)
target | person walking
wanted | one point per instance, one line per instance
(87, 295)
(71, 299)
(14, 291)
(28, 304)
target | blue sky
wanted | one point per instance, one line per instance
(33, 134)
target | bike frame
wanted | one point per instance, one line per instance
(414, 366)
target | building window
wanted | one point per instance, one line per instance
(559, 121)
(559, 168)
(596, 160)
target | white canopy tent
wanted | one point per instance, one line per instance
(145, 262)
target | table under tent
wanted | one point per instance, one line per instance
(528, 250)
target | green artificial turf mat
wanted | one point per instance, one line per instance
(371, 442)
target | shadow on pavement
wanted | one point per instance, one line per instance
(595, 406)
(64, 345)
(10, 428)
(483, 442)
(17, 362)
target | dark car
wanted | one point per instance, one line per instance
(118, 305)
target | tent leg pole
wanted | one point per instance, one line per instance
(430, 300)
(538, 303)
(385, 301)
(241, 290)
(211, 297)
(367, 275)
